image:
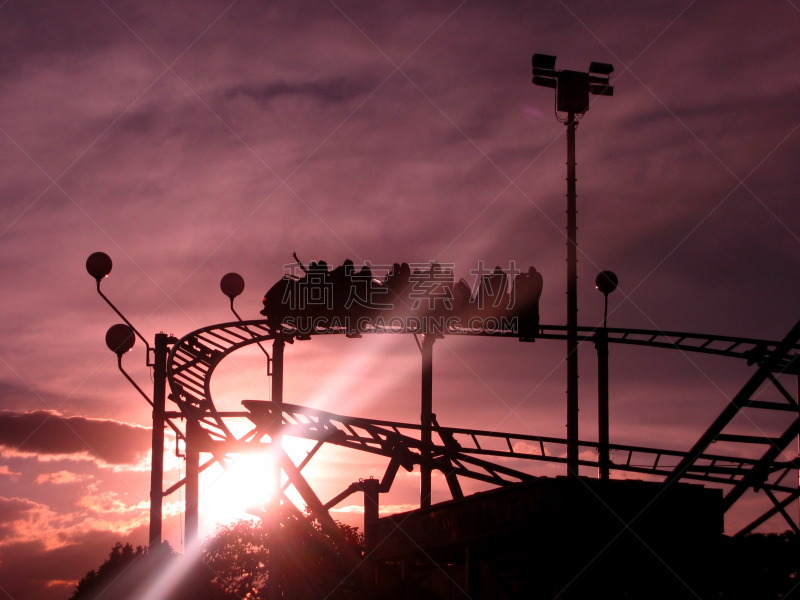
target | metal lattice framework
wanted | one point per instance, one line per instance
(476, 454)
(191, 363)
(456, 451)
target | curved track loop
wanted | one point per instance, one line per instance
(191, 364)
(193, 359)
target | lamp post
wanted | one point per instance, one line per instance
(606, 282)
(120, 339)
(572, 97)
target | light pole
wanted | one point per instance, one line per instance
(606, 282)
(120, 339)
(572, 97)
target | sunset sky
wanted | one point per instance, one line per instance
(191, 139)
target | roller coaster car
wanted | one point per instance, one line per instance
(344, 298)
(276, 308)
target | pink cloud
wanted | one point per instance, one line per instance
(5, 471)
(61, 477)
(31, 571)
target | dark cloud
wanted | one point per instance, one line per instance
(13, 509)
(39, 32)
(43, 432)
(329, 91)
(32, 571)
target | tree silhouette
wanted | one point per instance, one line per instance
(237, 559)
(124, 571)
(233, 564)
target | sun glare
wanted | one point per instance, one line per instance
(226, 495)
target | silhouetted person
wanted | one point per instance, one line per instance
(492, 295)
(462, 297)
(341, 279)
(361, 299)
(441, 290)
(399, 284)
(527, 290)
(280, 301)
(299, 264)
(316, 292)
(394, 272)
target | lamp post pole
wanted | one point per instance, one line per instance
(572, 302)
(606, 282)
(120, 339)
(572, 97)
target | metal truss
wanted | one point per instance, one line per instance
(758, 476)
(455, 453)
(191, 363)
(474, 454)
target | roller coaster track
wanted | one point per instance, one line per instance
(459, 452)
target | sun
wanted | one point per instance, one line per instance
(227, 494)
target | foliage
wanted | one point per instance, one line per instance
(234, 564)
(124, 569)
(237, 557)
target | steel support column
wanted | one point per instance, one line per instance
(371, 489)
(277, 397)
(192, 521)
(426, 417)
(601, 343)
(157, 458)
(276, 559)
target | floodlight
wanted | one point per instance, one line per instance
(98, 265)
(599, 89)
(544, 61)
(550, 82)
(232, 285)
(601, 68)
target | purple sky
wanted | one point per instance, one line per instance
(188, 140)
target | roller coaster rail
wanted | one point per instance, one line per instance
(193, 359)
(461, 452)
(459, 446)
